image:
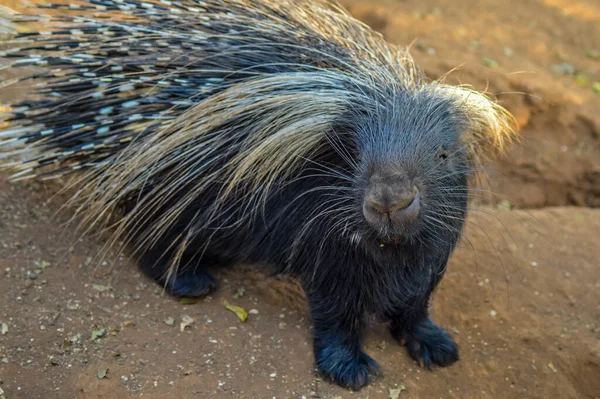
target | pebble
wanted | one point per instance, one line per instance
(564, 69)
(32, 275)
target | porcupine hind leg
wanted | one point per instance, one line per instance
(192, 280)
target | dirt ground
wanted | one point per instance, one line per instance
(521, 296)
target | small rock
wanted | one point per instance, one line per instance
(97, 334)
(42, 264)
(100, 288)
(186, 321)
(4, 329)
(128, 323)
(240, 292)
(169, 321)
(563, 69)
(102, 373)
(395, 393)
(253, 311)
(493, 313)
(32, 275)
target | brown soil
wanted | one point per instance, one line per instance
(521, 297)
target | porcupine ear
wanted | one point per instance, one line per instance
(489, 127)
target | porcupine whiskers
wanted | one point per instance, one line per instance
(278, 132)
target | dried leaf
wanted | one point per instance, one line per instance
(551, 367)
(2, 395)
(97, 334)
(596, 87)
(185, 322)
(101, 373)
(239, 311)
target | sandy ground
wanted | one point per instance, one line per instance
(521, 297)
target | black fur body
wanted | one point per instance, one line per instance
(349, 276)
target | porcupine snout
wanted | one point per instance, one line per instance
(391, 198)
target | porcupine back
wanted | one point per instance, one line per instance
(163, 102)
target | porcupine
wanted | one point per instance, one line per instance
(281, 132)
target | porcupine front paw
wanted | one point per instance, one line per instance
(429, 344)
(191, 284)
(352, 369)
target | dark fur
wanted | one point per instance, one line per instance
(312, 227)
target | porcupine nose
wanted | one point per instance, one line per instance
(391, 199)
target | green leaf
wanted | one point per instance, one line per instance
(189, 300)
(239, 311)
(488, 62)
